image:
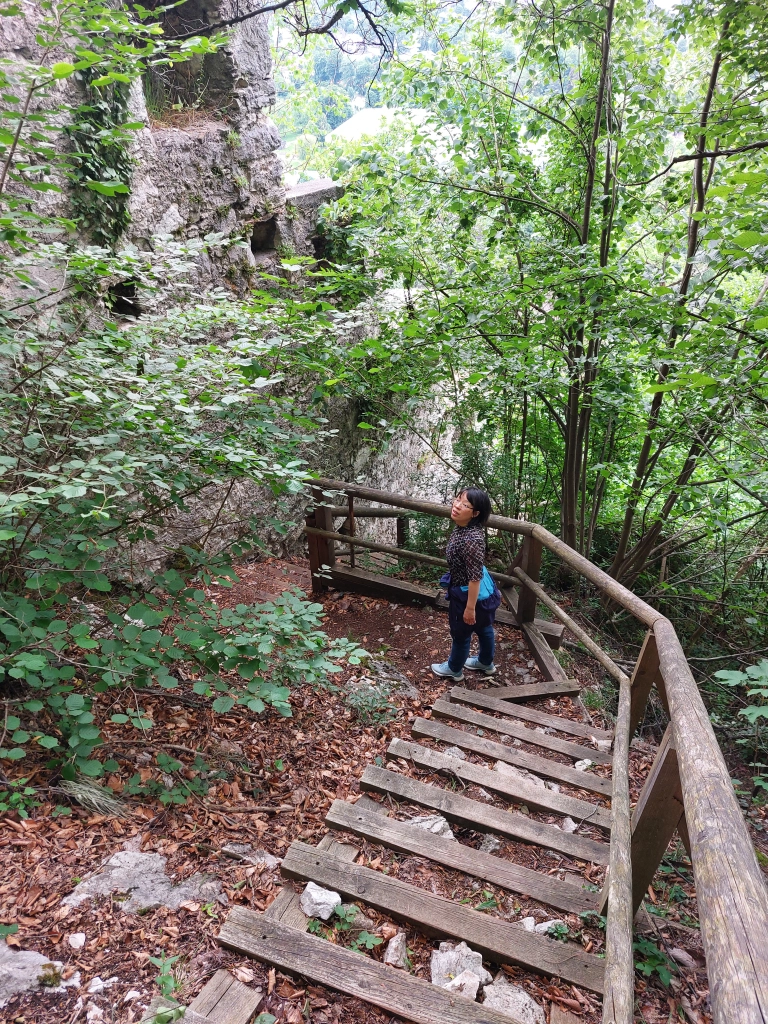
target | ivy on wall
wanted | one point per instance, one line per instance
(101, 163)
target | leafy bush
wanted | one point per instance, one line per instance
(371, 701)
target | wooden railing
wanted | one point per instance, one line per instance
(688, 788)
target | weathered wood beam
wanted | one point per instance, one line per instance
(488, 701)
(548, 664)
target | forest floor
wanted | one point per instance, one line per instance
(291, 770)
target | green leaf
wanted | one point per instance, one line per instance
(761, 324)
(93, 769)
(746, 239)
(223, 704)
(8, 534)
(48, 742)
(106, 188)
(62, 69)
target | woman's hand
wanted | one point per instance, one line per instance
(472, 595)
(469, 616)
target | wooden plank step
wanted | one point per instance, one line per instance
(531, 762)
(224, 1000)
(488, 700)
(548, 664)
(481, 817)
(455, 712)
(285, 906)
(519, 790)
(398, 835)
(344, 970)
(499, 941)
(534, 691)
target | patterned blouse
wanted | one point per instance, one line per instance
(466, 554)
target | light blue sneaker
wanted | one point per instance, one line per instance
(444, 670)
(474, 665)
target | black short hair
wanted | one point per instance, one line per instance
(480, 502)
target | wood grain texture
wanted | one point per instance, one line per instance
(551, 631)
(645, 674)
(518, 789)
(510, 755)
(531, 563)
(224, 1000)
(619, 1001)
(548, 664)
(398, 835)
(346, 971)
(656, 817)
(534, 691)
(488, 701)
(481, 817)
(497, 940)
(285, 907)
(455, 712)
(730, 887)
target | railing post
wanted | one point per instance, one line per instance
(646, 673)
(321, 550)
(531, 565)
(657, 815)
(351, 521)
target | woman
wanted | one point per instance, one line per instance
(473, 597)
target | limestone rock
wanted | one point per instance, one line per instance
(76, 940)
(434, 823)
(318, 902)
(465, 984)
(546, 926)
(455, 752)
(553, 786)
(581, 766)
(602, 744)
(490, 843)
(449, 961)
(518, 773)
(97, 986)
(568, 825)
(507, 998)
(143, 876)
(396, 953)
(528, 924)
(26, 970)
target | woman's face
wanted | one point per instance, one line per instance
(462, 512)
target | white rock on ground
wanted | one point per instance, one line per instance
(143, 876)
(546, 926)
(97, 986)
(568, 825)
(434, 823)
(518, 773)
(511, 741)
(490, 843)
(449, 961)
(465, 984)
(455, 752)
(76, 940)
(245, 852)
(507, 998)
(26, 970)
(396, 953)
(553, 786)
(581, 766)
(318, 902)
(602, 744)
(528, 923)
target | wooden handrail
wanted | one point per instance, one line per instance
(730, 888)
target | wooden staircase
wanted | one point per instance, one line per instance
(278, 936)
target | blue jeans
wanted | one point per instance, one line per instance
(460, 648)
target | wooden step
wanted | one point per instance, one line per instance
(482, 817)
(521, 758)
(224, 1000)
(285, 907)
(488, 700)
(455, 712)
(548, 664)
(534, 691)
(520, 790)
(397, 835)
(499, 941)
(344, 970)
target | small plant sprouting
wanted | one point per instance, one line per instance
(166, 979)
(559, 931)
(365, 941)
(653, 961)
